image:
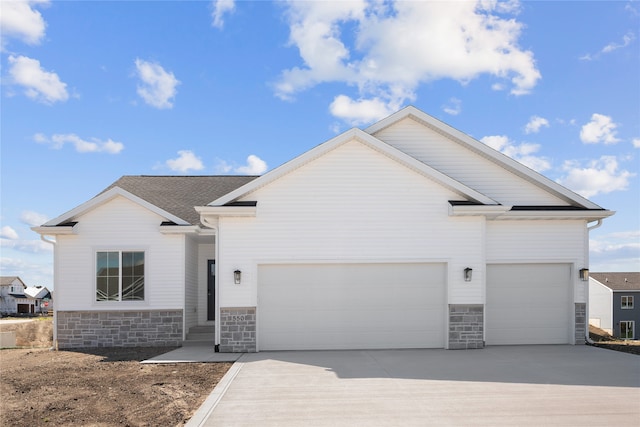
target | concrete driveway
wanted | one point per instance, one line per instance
(515, 385)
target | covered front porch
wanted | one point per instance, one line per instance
(201, 293)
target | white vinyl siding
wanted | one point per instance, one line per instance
(463, 165)
(119, 225)
(353, 204)
(351, 306)
(529, 304)
(600, 306)
(191, 283)
(543, 241)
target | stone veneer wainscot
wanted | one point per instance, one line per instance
(237, 329)
(149, 328)
(580, 323)
(466, 326)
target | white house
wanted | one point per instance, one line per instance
(408, 234)
(41, 297)
(13, 299)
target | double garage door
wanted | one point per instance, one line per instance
(351, 306)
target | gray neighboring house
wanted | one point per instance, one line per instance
(614, 303)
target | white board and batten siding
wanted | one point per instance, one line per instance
(119, 224)
(464, 165)
(351, 205)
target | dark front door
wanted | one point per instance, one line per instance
(211, 290)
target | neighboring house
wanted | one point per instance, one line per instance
(13, 299)
(42, 298)
(614, 303)
(408, 234)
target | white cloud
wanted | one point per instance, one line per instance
(20, 20)
(636, 142)
(454, 107)
(255, 166)
(627, 39)
(185, 162)
(94, 145)
(220, 8)
(28, 246)
(41, 85)
(7, 232)
(361, 111)
(599, 176)
(600, 129)
(535, 123)
(618, 251)
(523, 153)
(399, 45)
(157, 87)
(33, 219)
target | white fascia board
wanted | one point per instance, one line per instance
(54, 230)
(105, 197)
(178, 229)
(551, 214)
(236, 211)
(372, 142)
(490, 211)
(497, 157)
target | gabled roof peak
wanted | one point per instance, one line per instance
(484, 150)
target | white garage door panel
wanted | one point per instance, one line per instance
(528, 304)
(351, 306)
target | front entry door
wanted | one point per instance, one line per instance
(211, 290)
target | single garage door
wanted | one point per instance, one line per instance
(528, 304)
(351, 306)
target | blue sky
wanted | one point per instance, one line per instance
(92, 91)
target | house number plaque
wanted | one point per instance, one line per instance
(237, 318)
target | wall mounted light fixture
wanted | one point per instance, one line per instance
(467, 274)
(237, 277)
(584, 274)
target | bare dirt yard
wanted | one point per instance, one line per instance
(602, 339)
(96, 387)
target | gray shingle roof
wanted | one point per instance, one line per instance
(179, 194)
(619, 281)
(7, 280)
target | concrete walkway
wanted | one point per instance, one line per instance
(515, 385)
(194, 353)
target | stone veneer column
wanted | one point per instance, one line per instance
(237, 329)
(466, 326)
(150, 328)
(580, 323)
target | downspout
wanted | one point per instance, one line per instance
(55, 314)
(586, 332)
